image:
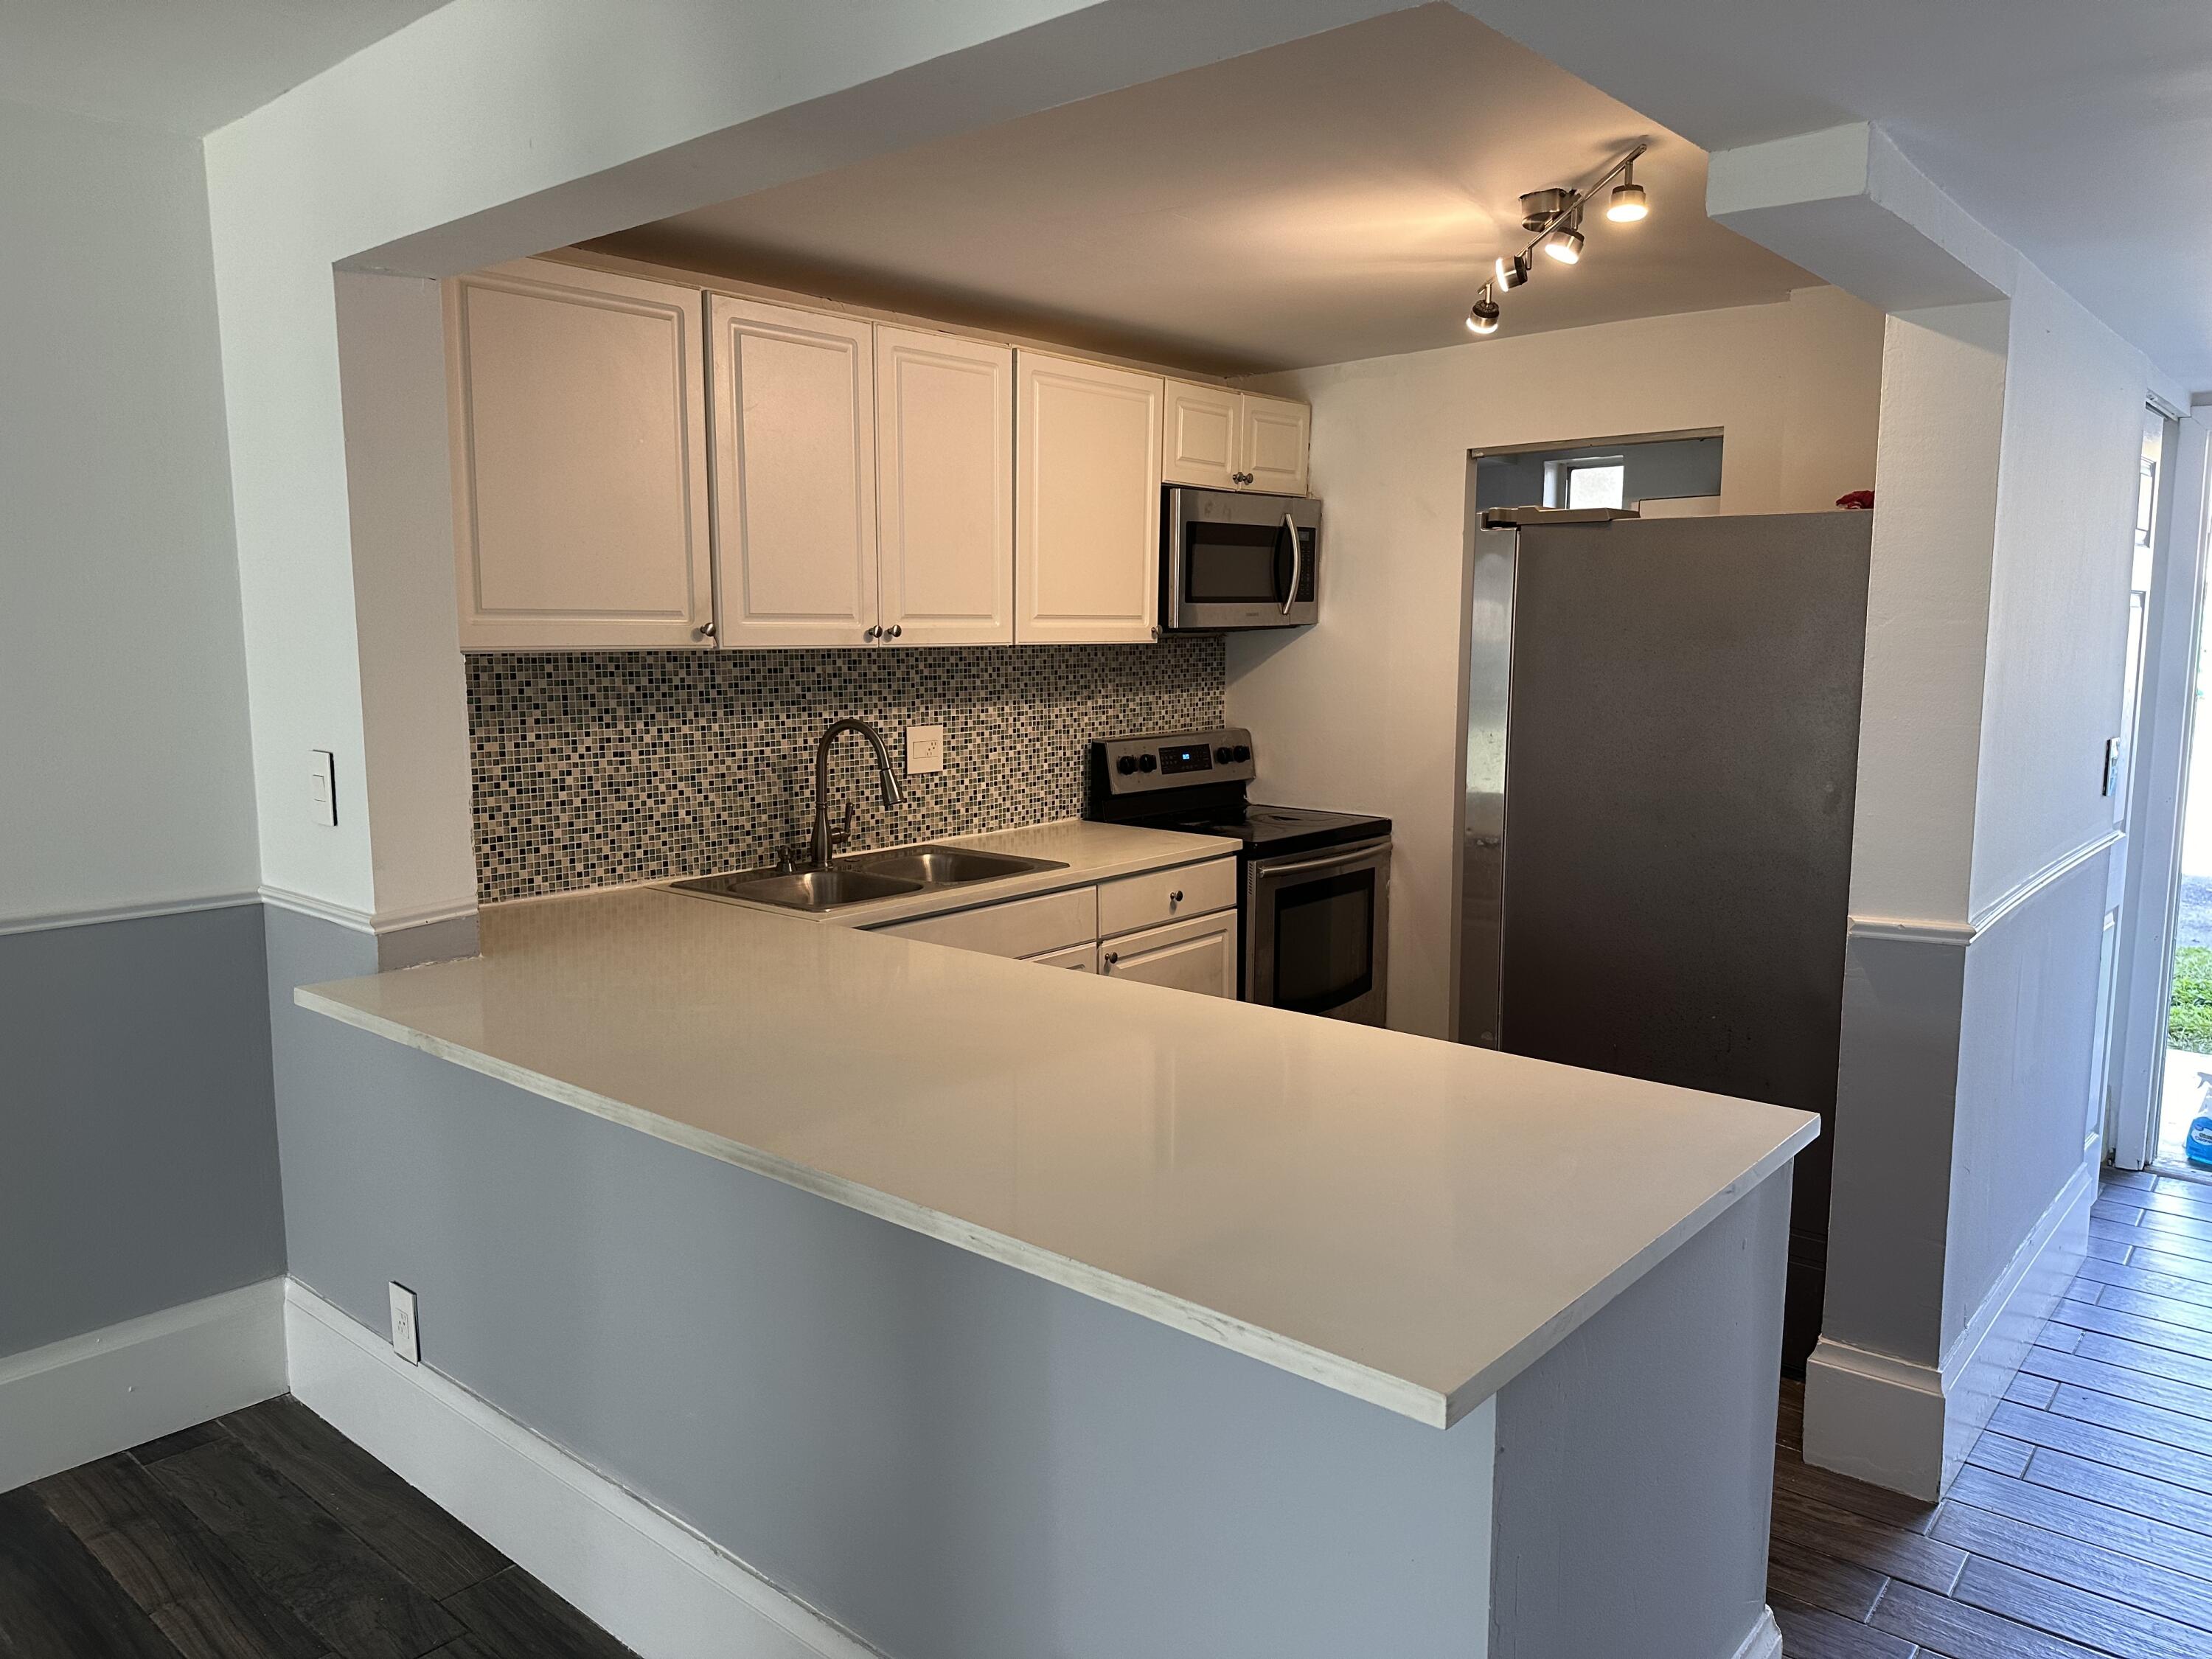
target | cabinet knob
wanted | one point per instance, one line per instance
(873, 634)
(705, 631)
(1110, 958)
(1175, 898)
(892, 632)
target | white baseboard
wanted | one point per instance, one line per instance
(1764, 1641)
(647, 1579)
(94, 1396)
(1908, 1425)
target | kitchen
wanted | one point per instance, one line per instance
(876, 1022)
(705, 522)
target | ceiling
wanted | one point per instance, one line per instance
(182, 66)
(1338, 198)
(2079, 133)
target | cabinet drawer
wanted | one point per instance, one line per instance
(1021, 927)
(1198, 954)
(1146, 900)
(1077, 959)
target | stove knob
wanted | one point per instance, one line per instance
(1126, 765)
(1244, 751)
(1223, 755)
(1146, 764)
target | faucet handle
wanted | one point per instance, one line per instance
(844, 837)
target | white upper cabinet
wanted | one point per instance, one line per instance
(1225, 440)
(794, 413)
(945, 470)
(1086, 501)
(1276, 431)
(1201, 436)
(579, 439)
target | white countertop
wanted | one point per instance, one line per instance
(1089, 853)
(1407, 1221)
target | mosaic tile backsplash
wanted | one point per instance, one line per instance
(595, 768)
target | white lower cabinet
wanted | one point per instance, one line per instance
(1116, 928)
(1077, 958)
(1197, 955)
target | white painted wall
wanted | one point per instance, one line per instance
(2058, 598)
(1361, 712)
(124, 748)
(496, 128)
(1927, 603)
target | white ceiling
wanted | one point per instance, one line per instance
(183, 66)
(1338, 198)
(2079, 132)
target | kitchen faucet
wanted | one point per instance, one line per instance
(818, 850)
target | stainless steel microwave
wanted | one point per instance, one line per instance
(1232, 558)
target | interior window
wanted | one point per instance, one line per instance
(1597, 485)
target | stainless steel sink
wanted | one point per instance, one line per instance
(866, 876)
(803, 890)
(947, 867)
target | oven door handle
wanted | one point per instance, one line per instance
(1297, 562)
(1367, 852)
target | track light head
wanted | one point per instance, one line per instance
(1629, 203)
(1566, 244)
(1482, 320)
(1509, 274)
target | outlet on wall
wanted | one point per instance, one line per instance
(925, 748)
(405, 1341)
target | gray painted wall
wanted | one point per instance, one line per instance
(139, 1161)
(951, 1457)
(1635, 1460)
(1896, 1095)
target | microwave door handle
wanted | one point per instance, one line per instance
(1297, 554)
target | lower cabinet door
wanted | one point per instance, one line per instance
(1077, 958)
(1196, 955)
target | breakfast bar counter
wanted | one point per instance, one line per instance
(1581, 1272)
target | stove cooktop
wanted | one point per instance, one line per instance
(1270, 831)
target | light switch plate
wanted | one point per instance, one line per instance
(406, 1341)
(925, 748)
(322, 787)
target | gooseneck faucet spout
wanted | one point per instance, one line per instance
(818, 850)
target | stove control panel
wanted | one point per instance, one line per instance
(1173, 760)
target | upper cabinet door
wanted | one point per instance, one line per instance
(1276, 431)
(578, 437)
(1199, 439)
(945, 471)
(794, 474)
(1086, 502)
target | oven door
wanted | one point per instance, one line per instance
(1317, 932)
(1235, 560)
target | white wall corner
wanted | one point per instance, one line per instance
(1907, 1425)
(91, 1397)
(645, 1577)
(1848, 205)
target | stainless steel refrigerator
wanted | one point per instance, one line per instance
(1662, 747)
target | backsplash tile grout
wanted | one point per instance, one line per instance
(592, 768)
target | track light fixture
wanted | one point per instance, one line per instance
(1554, 218)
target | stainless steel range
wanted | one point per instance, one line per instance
(1314, 887)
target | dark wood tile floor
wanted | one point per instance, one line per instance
(2082, 1527)
(265, 1534)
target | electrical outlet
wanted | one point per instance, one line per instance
(925, 748)
(406, 1341)
(322, 787)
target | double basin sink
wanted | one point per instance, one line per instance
(866, 876)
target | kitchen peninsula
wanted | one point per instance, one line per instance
(1200, 1326)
